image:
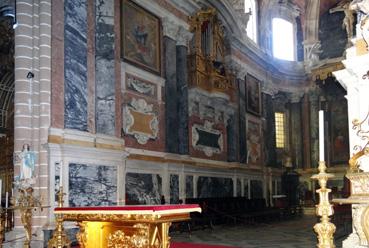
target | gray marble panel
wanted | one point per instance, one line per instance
(75, 65)
(246, 188)
(232, 139)
(143, 188)
(239, 186)
(242, 121)
(256, 189)
(182, 96)
(270, 155)
(171, 109)
(105, 72)
(214, 187)
(189, 187)
(92, 185)
(174, 189)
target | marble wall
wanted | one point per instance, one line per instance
(171, 109)
(104, 62)
(75, 64)
(270, 156)
(239, 187)
(174, 189)
(214, 187)
(143, 188)
(256, 189)
(242, 121)
(189, 186)
(92, 185)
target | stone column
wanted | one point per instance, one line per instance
(242, 121)
(170, 30)
(183, 37)
(306, 132)
(296, 127)
(311, 42)
(105, 70)
(32, 93)
(314, 129)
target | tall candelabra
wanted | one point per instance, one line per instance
(59, 239)
(325, 229)
(26, 203)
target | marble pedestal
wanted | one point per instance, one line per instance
(360, 210)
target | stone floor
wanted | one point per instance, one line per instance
(295, 233)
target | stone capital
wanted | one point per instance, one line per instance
(268, 88)
(183, 36)
(170, 28)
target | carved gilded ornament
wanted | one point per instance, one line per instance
(207, 69)
(360, 159)
(139, 239)
(140, 120)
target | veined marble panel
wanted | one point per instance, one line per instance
(239, 190)
(105, 71)
(75, 65)
(246, 188)
(143, 188)
(189, 186)
(174, 189)
(214, 187)
(92, 185)
(256, 189)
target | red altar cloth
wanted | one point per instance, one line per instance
(141, 209)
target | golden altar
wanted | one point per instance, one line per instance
(126, 226)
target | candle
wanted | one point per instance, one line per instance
(61, 174)
(6, 199)
(321, 135)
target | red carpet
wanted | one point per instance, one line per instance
(190, 245)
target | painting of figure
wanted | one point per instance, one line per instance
(140, 37)
(253, 101)
(339, 133)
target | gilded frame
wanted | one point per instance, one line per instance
(141, 37)
(253, 95)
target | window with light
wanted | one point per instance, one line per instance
(283, 39)
(250, 6)
(279, 130)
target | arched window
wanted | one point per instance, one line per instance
(283, 39)
(250, 6)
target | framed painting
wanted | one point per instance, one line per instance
(253, 142)
(253, 96)
(141, 37)
(339, 133)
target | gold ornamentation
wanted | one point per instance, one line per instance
(26, 203)
(324, 229)
(140, 239)
(207, 68)
(60, 238)
(363, 135)
(82, 235)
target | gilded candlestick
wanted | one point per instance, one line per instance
(325, 229)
